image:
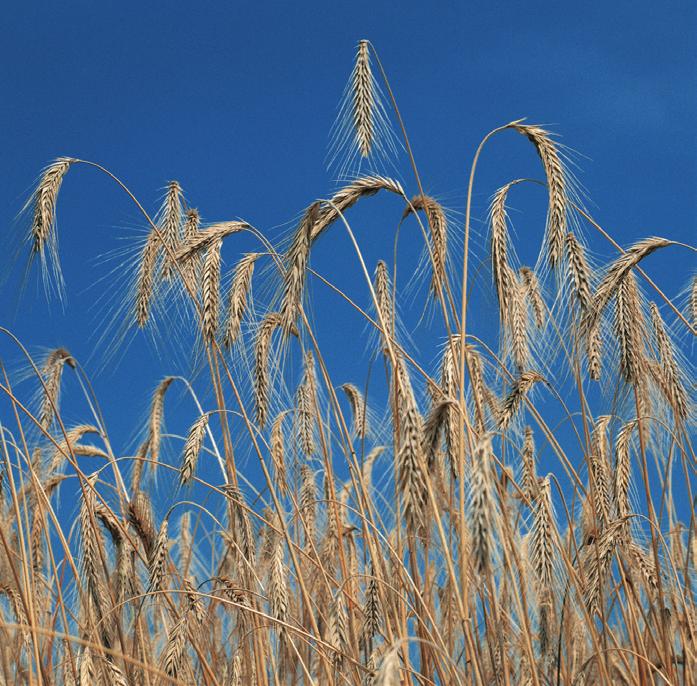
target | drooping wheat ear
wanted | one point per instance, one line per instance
(349, 195)
(411, 484)
(90, 543)
(43, 226)
(677, 394)
(308, 502)
(693, 301)
(147, 277)
(433, 429)
(115, 676)
(438, 224)
(201, 240)
(383, 295)
(278, 586)
(158, 559)
(482, 505)
(236, 671)
(296, 266)
(644, 563)
(173, 654)
(623, 468)
(596, 563)
(533, 295)
(530, 484)
(357, 403)
(52, 373)
(599, 469)
(500, 268)
(542, 545)
(156, 416)
(86, 670)
(140, 516)
(479, 390)
(556, 187)
(65, 447)
(513, 401)
(171, 225)
(518, 318)
(261, 364)
(211, 291)
(306, 402)
(240, 523)
(371, 611)
(192, 223)
(269, 533)
(364, 100)
(616, 273)
(278, 452)
(578, 272)
(338, 630)
(238, 297)
(594, 349)
(192, 449)
(388, 674)
(629, 328)
(367, 470)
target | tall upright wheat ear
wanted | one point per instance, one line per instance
(364, 100)
(171, 223)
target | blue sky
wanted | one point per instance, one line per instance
(236, 100)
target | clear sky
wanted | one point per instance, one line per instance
(236, 100)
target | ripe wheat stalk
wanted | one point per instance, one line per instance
(510, 505)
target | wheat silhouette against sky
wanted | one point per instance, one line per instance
(343, 363)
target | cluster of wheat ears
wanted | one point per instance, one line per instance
(402, 538)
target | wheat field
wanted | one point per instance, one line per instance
(510, 506)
